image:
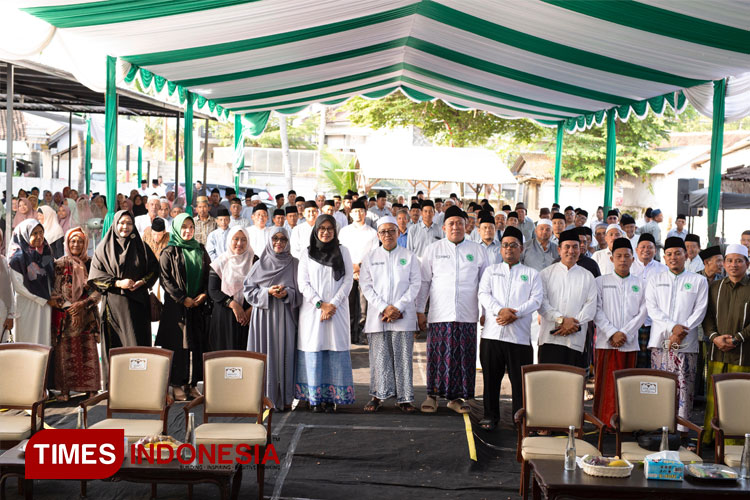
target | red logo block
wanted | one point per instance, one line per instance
(75, 453)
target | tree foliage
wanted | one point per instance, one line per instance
(340, 174)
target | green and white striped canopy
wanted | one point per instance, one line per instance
(549, 60)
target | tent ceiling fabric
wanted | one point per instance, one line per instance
(479, 166)
(549, 60)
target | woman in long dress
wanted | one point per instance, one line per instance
(184, 321)
(32, 271)
(75, 326)
(123, 269)
(7, 299)
(324, 367)
(272, 291)
(53, 232)
(231, 313)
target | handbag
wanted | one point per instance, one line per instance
(651, 441)
(156, 307)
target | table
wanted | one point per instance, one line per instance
(549, 479)
(12, 464)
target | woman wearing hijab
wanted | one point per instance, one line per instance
(99, 207)
(32, 271)
(183, 327)
(34, 201)
(272, 291)
(123, 269)
(75, 326)
(47, 199)
(324, 367)
(231, 313)
(138, 207)
(25, 211)
(58, 198)
(64, 218)
(7, 296)
(84, 210)
(53, 233)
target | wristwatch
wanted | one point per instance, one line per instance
(318, 304)
(558, 321)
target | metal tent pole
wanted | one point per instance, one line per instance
(9, 164)
(70, 149)
(177, 157)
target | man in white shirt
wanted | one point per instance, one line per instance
(603, 258)
(525, 224)
(620, 312)
(558, 226)
(425, 232)
(258, 232)
(390, 277)
(679, 229)
(599, 219)
(487, 238)
(291, 217)
(301, 233)
(451, 269)
(569, 304)
(236, 219)
(144, 221)
(644, 266)
(694, 263)
(251, 201)
(380, 209)
(217, 239)
(359, 238)
(509, 293)
(627, 223)
(676, 300)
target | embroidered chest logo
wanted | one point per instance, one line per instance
(524, 277)
(635, 288)
(469, 257)
(688, 286)
(402, 262)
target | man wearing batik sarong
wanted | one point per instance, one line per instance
(620, 311)
(676, 301)
(390, 278)
(727, 326)
(451, 269)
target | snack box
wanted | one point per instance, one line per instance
(662, 469)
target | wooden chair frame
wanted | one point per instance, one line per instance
(523, 429)
(37, 408)
(720, 436)
(631, 372)
(265, 403)
(164, 412)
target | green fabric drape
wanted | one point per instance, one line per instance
(717, 148)
(609, 168)
(140, 165)
(110, 143)
(239, 149)
(558, 161)
(87, 160)
(191, 250)
(188, 146)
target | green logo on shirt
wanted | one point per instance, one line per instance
(402, 262)
(688, 286)
(635, 288)
(524, 277)
(469, 257)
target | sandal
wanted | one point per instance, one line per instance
(459, 406)
(429, 405)
(373, 406)
(488, 424)
(407, 407)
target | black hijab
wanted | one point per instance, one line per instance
(327, 254)
(119, 257)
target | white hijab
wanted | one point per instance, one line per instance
(234, 268)
(53, 231)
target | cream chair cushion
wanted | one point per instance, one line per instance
(733, 455)
(230, 433)
(15, 427)
(134, 429)
(542, 447)
(136, 389)
(640, 410)
(553, 398)
(233, 385)
(631, 451)
(733, 400)
(22, 376)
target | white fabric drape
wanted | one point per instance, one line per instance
(737, 103)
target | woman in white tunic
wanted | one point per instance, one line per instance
(32, 271)
(324, 367)
(7, 299)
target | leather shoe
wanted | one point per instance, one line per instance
(194, 392)
(179, 394)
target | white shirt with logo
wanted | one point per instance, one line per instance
(620, 307)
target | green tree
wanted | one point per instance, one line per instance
(340, 174)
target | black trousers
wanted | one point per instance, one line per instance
(560, 354)
(182, 373)
(497, 357)
(357, 312)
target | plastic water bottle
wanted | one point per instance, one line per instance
(664, 446)
(570, 451)
(80, 423)
(745, 463)
(190, 435)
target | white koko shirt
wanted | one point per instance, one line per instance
(518, 287)
(620, 307)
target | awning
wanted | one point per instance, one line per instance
(478, 166)
(549, 60)
(729, 201)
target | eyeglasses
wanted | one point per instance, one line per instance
(387, 232)
(277, 239)
(509, 245)
(325, 230)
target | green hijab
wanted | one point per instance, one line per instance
(191, 250)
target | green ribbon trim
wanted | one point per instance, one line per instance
(717, 149)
